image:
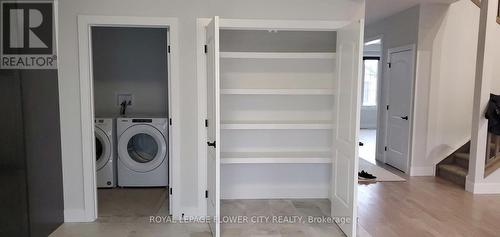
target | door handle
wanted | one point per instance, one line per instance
(211, 144)
(405, 117)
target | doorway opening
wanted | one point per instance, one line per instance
(130, 84)
(120, 59)
(386, 110)
(371, 74)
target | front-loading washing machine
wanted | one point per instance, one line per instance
(104, 130)
(142, 152)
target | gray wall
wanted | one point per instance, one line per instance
(30, 153)
(398, 30)
(31, 185)
(281, 41)
(130, 60)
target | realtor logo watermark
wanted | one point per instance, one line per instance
(27, 40)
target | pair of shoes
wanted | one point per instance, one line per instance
(363, 175)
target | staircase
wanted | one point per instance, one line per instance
(456, 166)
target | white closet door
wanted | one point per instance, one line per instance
(347, 109)
(213, 133)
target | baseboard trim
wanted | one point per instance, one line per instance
(482, 188)
(422, 171)
(275, 192)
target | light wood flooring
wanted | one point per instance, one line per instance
(422, 206)
(426, 206)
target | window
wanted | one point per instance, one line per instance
(370, 80)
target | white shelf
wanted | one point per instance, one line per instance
(276, 125)
(276, 158)
(272, 55)
(277, 91)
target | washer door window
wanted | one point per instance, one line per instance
(102, 148)
(142, 148)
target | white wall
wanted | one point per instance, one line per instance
(397, 30)
(446, 39)
(447, 55)
(430, 22)
(187, 11)
(131, 61)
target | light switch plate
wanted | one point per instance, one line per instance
(125, 97)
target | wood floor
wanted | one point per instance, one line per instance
(426, 206)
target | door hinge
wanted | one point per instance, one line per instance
(171, 191)
(385, 148)
(387, 107)
(206, 193)
(170, 121)
(206, 48)
(168, 49)
(390, 64)
(206, 123)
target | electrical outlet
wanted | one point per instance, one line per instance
(125, 97)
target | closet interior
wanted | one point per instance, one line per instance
(277, 103)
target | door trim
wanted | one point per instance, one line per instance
(85, 22)
(245, 24)
(413, 49)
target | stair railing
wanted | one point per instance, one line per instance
(492, 161)
(492, 147)
(478, 3)
(498, 13)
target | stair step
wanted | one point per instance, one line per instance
(462, 159)
(492, 166)
(462, 155)
(453, 173)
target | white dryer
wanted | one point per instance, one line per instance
(142, 152)
(105, 152)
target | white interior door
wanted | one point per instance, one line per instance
(213, 133)
(400, 80)
(347, 111)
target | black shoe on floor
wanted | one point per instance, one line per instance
(366, 176)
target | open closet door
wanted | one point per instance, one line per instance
(213, 133)
(347, 109)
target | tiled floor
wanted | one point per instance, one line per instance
(298, 213)
(126, 213)
(129, 204)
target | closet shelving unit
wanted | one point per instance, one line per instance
(277, 110)
(278, 55)
(283, 112)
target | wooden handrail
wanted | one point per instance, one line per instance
(498, 12)
(478, 3)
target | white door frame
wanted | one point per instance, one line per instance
(85, 22)
(413, 49)
(201, 72)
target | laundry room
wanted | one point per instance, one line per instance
(130, 88)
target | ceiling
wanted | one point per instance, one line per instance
(379, 9)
